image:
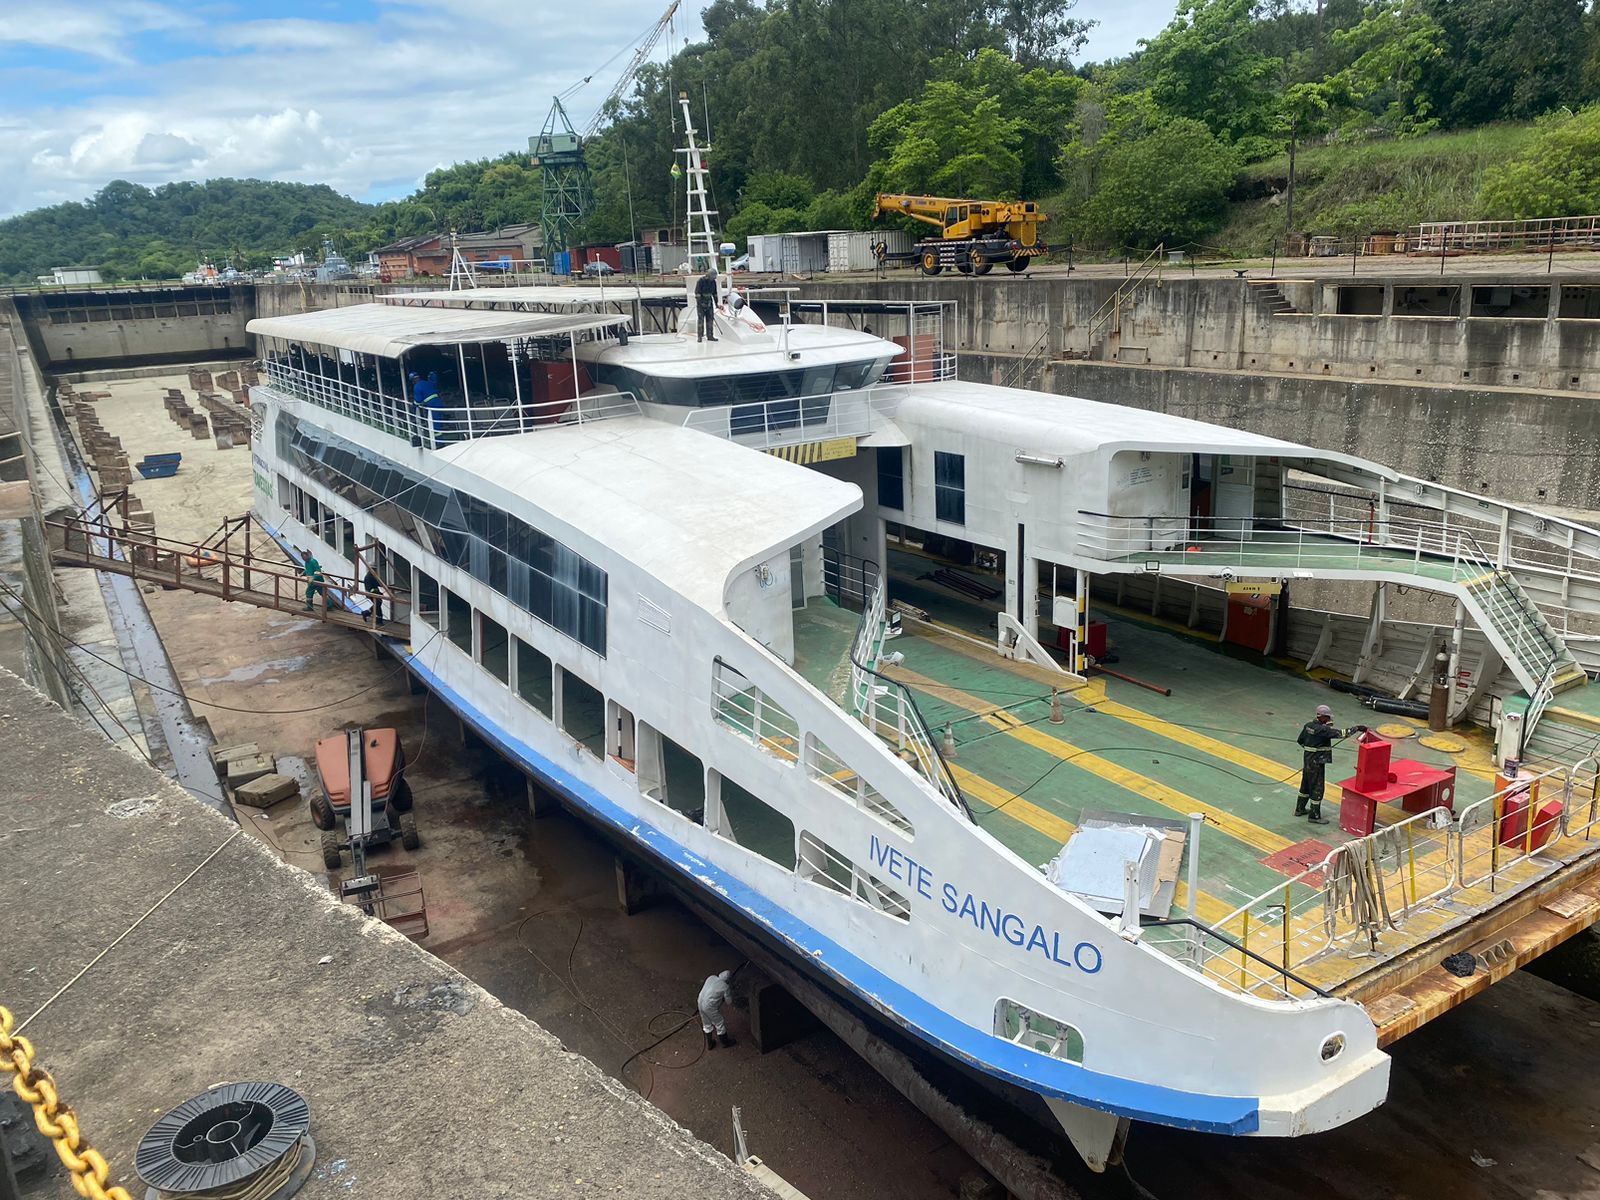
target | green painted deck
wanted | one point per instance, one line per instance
(1223, 742)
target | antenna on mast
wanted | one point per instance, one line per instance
(702, 241)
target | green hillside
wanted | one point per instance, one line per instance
(135, 232)
(1351, 190)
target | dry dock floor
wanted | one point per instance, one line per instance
(527, 909)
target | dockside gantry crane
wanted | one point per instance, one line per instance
(974, 235)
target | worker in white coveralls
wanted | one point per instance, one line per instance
(713, 995)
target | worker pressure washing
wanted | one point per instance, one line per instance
(705, 304)
(1316, 739)
(714, 994)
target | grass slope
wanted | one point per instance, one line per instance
(1352, 189)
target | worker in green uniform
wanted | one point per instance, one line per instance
(312, 570)
(1316, 739)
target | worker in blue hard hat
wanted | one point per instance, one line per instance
(1316, 739)
(426, 394)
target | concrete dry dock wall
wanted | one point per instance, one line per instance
(1408, 327)
(111, 327)
(420, 1083)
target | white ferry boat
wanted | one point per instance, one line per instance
(796, 615)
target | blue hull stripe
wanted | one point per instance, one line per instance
(992, 1055)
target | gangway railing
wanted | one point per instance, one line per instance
(94, 539)
(885, 705)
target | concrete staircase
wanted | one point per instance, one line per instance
(1271, 297)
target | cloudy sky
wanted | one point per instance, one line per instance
(365, 95)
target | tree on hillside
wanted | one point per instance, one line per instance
(1041, 33)
(988, 128)
(1168, 185)
(1384, 87)
(1506, 61)
(1204, 66)
(1558, 175)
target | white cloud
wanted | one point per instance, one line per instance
(100, 29)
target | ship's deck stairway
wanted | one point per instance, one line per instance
(236, 563)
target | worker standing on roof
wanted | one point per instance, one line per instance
(312, 570)
(426, 393)
(713, 995)
(1316, 739)
(705, 303)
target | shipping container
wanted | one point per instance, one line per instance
(853, 250)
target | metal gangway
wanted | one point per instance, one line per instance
(237, 563)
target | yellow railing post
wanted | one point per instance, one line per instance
(1287, 916)
(1244, 951)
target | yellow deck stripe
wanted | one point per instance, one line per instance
(1170, 798)
(1058, 829)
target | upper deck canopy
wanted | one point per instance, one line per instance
(1071, 425)
(549, 297)
(389, 330)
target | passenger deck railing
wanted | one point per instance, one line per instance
(791, 420)
(884, 705)
(1367, 889)
(1328, 542)
(434, 428)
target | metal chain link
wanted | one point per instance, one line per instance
(55, 1119)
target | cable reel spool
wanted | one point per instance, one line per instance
(240, 1141)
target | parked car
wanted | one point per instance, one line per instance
(597, 270)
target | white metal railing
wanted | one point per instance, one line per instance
(1552, 548)
(741, 706)
(1372, 885)
(790, 420)
(886, 706)
(435, 427)
(827, 768)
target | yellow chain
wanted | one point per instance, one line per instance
(55, 1119)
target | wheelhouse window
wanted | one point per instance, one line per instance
(892, 477)
(950, 487)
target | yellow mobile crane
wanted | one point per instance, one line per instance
(973, 234)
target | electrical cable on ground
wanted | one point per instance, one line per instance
(257, 712)
(570, 983)
(119, 938)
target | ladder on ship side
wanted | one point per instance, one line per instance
(235, 563)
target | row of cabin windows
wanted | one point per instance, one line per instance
(339, 535)
(666, 772)
(528, 671)
(530, 568)
(949, 483)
